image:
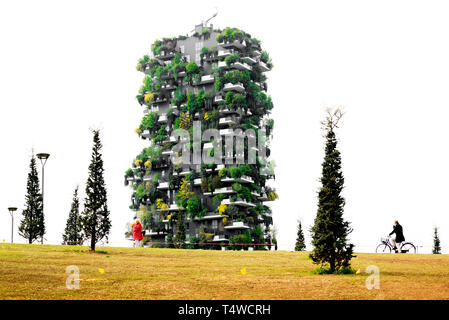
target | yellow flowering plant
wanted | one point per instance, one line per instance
(222, 208)
(148, 97)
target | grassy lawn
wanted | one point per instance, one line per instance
(38, 272)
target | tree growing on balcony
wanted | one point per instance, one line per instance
(95, 216)
(436, 242)
(330, 231)
(32, 226)
(300, 242)
(73, 230)
(180, 237)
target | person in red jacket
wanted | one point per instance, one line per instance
(137, 233)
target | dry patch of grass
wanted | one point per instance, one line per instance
(38, 272)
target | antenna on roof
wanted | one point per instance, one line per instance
(214, 15)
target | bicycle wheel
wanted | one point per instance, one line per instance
(383, 248)
(408, 247)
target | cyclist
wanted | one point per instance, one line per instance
(396, 241)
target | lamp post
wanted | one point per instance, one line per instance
(43, 158)
(11, 212)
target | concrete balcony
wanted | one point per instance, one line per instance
(237, 225)
(255, 194)
(167, 152)
(165, 55)
(154, 109)
(234, 87)
(222, 64)
(146, 134)
(238, 202)
(224, 190)
(147, 178)
(182, 74)
(162, 118)
(263, 66)
(246, 179)
(211, 216)
(162, 185)
(226, 121)
(235, 43)
(174, 207)
(168, 87)
(250, 60)
(224, 52)
(263, 197)
(218, 99)
(257, 53)
(207, 79)
(220, 238)
(241, 66)
(197, 181)
(226, 110)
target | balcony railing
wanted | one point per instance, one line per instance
(222, 64)
(238, 202)
(250, 60)
(146, 134)
(246, 179)
(235, 43)
(237, 225)
(263, 66)
(220, 238)
(163, 185)
(235, 87)
(226, 190)
(207, 79)
(162, 118)
(242, 66)
(224, 52)
(227, 120)
(218, 99)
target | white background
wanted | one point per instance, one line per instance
(67, 66)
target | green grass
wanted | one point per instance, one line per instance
(38, 272)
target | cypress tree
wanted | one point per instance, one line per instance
(330, 231)
(436, 242)
(95, 216)
(300, 243)
(72, 233)
(180, 237)
(32, 226)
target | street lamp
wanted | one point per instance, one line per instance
(43, 158)
(11, 212)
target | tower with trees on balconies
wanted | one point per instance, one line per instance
(211, 79)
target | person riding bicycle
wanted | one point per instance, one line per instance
(396, 241)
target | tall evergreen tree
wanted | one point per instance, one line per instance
(95, 216)
(73, 230)
(330, 231)
(300, 242)
(32, 226)
(436, 242)
(180, 237)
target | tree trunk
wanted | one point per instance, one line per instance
(92, 240)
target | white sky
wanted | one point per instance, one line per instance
(67, 66)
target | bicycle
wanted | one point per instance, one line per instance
(386, 247)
